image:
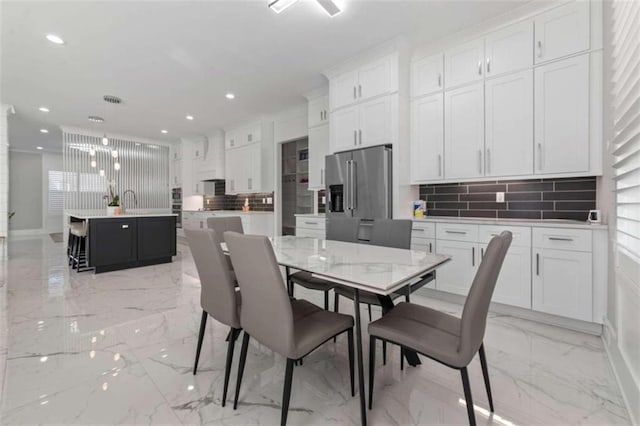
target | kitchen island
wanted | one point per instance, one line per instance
(129, 240)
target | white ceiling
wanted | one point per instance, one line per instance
(170, 59)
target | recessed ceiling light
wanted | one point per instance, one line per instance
(280, 5)
(230, 96)
(55, 39)
(44, 109)
(164, 131)
(95, 119)
(189, 117)
(39, 148)
(44, 131)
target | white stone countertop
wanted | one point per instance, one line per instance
(540, 223)
(318, 216)
(227, 212)
(97, 214)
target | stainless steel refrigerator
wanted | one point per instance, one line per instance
(358, 184)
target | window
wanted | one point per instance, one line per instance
(56, 192)
(626, 123)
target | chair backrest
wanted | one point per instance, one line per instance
(218, 293)
(476, 307)
(343, 229)
(394, 233)
(224, 224)
(266, 309)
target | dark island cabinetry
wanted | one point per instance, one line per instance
(129, 242)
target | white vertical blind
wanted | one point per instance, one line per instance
(626, 122)
(144, 168)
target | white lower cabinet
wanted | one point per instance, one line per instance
(562, 283)
(311, 227)
(514, 282)
(456, 275)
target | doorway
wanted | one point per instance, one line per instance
(296, 197)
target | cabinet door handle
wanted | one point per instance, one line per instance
(488, 160)
(418, 229)
(125, 226)
(488, 65)
(359, 90)
(311, 223)
(439, 79)
(354, 92)
(430, 247)
(360, 135)
(439, 164)
(473, 256)
(539, 156)
(479, 67)
(456, 232)
(355, 137)
(539, 48)
(480, 161)
(537, 263)
(481, 253)
(560, 239)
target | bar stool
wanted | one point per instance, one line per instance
(78, 252)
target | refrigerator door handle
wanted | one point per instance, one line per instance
(387, 183)
(347, 195)
(354, 195)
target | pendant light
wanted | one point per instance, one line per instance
(105, 140)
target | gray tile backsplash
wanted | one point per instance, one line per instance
(220, 201)
(566, 198)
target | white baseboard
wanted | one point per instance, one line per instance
(26, 232)
(629, 389)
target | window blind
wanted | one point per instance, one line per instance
(56, 192)
(626, 123)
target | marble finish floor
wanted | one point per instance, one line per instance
(118, 348)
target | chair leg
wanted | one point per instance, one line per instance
(372, 367)
(203, 326)
(401, 358)
(369, 312)
(485, 374)
(384, 352)
(286, 395)
(326, 300)
(351, 372)
(227, 366)
(467, 396)
(243, 359)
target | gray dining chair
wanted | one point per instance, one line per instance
(218, 295)
(341, 229)
(224, 224)
(447, 339)
(289, 327)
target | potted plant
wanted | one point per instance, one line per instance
(113, 207)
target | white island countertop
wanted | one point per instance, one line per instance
(98, 214)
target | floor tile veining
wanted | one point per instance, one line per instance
(118, 348)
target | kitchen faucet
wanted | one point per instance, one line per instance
(132, 192)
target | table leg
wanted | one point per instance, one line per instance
(356, 306)
(387, 304)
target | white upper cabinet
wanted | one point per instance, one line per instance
(344, 89)
(464, 64)
(252, 133)
(464, 132)
(509, 125)
(427, 138)
(368, 81)
(318, 149)
(562, 31)
(344, 129)
(427, 75)
(374, 79)
(510, 49)
(318, 111)
(231, 139)
(374, 122)
(198, 149)
(562, 116)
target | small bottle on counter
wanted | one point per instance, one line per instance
(245, 208)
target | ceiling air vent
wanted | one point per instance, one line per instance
(112, 99)
(95, 119)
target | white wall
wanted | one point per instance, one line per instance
(4, 170)
(25, 191)
(51, 222)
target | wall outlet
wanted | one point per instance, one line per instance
(324, 200)
(499, 197)
(269, 200)
(264, 201)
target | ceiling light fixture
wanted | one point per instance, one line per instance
(39, 148)
(44, 131)
(164, 131)
(55, 39)
(332, 7)
(105, 140)
(114, 153)
(280, 5)
(230, 96)
(92, 152)
(95, 119)
(44, 109)
(189, 117)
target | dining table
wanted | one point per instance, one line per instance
(360, 267)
